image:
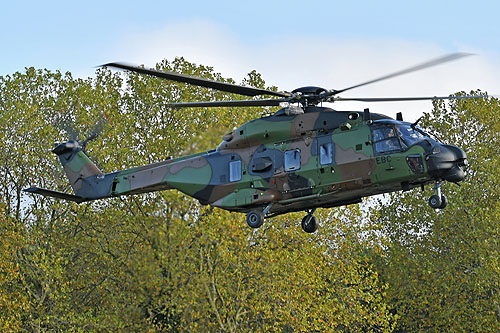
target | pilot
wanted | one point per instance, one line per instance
(391, 143)
(385, 140)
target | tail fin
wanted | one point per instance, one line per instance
(76, 164)
(87, 181)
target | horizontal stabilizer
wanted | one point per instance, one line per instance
(55, 194)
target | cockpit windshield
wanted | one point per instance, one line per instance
(411, 135)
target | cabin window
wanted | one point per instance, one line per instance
(292, 160)
(234, 171)
(262, 164)
(326, 153)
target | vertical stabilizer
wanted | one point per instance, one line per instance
(76, 164)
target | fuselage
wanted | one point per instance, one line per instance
(320, 158)
(294, 160)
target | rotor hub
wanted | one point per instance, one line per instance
(310, 95)
(310, 90)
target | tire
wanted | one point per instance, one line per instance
(255, 219)
(444, 202)
(309, 223)
(435, 201)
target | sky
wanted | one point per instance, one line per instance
(331, 44)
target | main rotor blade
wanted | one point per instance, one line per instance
(399, 99)
(222, 86)
(427, 64)
(251, 102)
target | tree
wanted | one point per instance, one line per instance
(159, 261)
(13, 301)
(442, 266)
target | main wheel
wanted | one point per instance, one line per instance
(435, 201)
(444, 202)
(309, 223)
(255, 219)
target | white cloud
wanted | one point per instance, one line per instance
(295, 61)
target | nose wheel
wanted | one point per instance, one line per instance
(310, 222)
(438, 200)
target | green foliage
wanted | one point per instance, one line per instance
(442, 267)
(13, 301)
(160, 261)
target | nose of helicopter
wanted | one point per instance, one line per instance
(446, 162)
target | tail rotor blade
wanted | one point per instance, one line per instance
(65, 124)
(94, 132)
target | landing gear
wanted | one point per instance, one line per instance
(310, 222)
(444, 202)
(255, 219)
(438, 200)
(435, 201)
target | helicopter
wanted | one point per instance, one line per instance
(303, 157)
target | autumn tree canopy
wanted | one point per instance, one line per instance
(161, 261)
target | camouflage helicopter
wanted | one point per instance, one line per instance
(302, 157)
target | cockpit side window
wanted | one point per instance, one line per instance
(385, 139)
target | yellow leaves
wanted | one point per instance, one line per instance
(13, 300)
(159, 261)
(443, 274)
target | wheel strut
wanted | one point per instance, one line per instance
(437, 189)
(267, 209)
(438, 200)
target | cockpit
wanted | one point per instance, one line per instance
(392, 137)
(411, 134)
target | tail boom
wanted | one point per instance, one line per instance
(190, 175)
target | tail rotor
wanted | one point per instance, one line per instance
(74, 135)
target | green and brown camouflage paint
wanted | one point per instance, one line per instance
(354, 171)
